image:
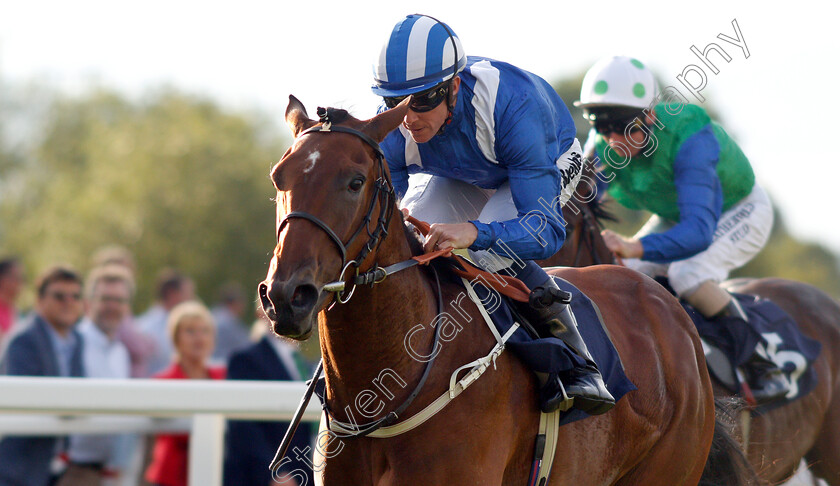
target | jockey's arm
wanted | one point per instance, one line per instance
(538, 230)
(394, 146)
(699, 197)
(399, 179)
(529, 148)
(535, 233)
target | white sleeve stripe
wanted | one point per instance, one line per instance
(412, 153)
(484, 103)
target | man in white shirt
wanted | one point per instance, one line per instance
(108, 297)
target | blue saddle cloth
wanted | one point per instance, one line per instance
(776, 330)
(551, 355)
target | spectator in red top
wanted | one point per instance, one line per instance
(192, 331)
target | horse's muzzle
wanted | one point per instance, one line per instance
(290, 306)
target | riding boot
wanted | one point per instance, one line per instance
(766, 379)
(552, 394)
(548, 310)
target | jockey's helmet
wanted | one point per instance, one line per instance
(421, 53)
(617, 82)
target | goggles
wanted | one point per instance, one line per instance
(621, 121)
(424, 101)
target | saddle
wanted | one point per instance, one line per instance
(727, 347)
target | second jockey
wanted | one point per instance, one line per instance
(709, 215)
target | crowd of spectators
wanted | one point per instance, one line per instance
(86, 328)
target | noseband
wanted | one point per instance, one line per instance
(383, 192)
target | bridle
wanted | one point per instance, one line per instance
(383, 192)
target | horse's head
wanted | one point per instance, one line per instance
(334, 204)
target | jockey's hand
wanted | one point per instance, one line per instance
(623, 246)
(460, 235)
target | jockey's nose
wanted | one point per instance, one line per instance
(614, 136)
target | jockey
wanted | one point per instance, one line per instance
(497, 151)
(669, 158)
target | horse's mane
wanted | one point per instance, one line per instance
(415, 241)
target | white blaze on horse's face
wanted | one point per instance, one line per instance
(313, 159)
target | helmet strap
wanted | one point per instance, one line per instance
(450, 108)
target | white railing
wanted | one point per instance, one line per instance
(89, 405)
(60, 406)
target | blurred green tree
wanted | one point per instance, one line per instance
(174, 178)
(787, 257)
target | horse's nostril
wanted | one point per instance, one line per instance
(262, 291)
(267, 306)
(304, 296)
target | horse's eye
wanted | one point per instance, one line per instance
(357, 184)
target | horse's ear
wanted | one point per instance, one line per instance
(382, 124)
(296, 116)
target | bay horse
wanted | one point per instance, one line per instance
(337, 217)
(807, 428)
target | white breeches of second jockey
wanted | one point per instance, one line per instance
(435, 199)
(741, 233)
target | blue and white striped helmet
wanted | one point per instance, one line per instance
(419, 55)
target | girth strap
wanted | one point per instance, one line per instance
(545, 446)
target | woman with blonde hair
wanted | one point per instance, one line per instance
(193, 331)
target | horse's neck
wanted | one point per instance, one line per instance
(364, 337)
(586, 192)
(589, 246)
(599, 248)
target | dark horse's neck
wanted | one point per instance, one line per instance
(362, 341)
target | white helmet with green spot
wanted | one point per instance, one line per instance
(617, 81)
